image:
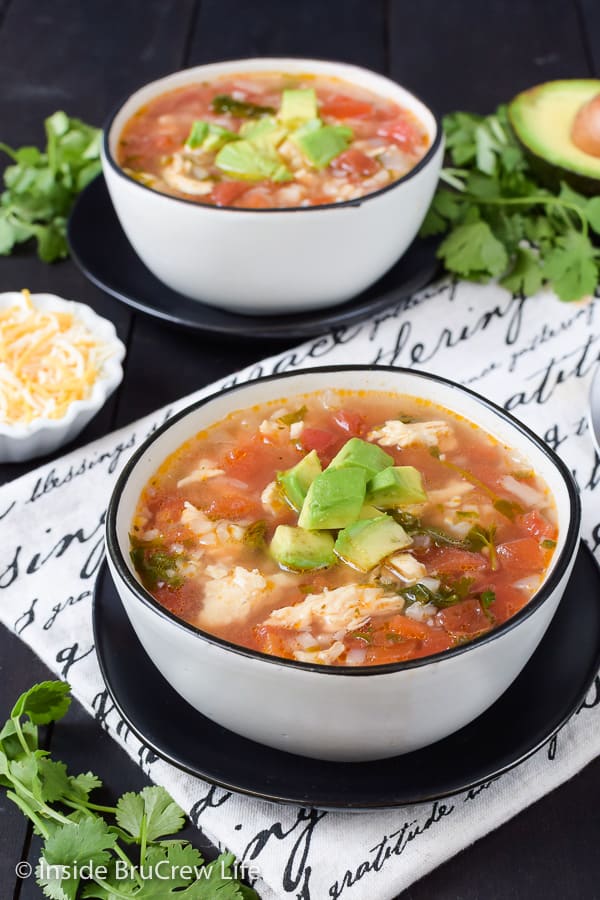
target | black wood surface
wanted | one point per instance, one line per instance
(84, 57)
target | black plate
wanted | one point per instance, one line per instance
(103, 253)
(547, 692)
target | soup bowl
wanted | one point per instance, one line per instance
(343, 712)
(269, 260)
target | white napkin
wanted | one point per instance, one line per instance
(535, 357)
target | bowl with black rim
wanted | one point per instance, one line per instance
(264, 261)
(339, 712)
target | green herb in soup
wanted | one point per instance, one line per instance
(321, 528)
(269, 140)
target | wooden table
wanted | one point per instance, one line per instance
(84, 57)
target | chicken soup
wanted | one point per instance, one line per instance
(271, 140)
(344, 528)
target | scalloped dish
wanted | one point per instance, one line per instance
(59, 362)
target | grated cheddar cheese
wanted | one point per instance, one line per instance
(48, 359)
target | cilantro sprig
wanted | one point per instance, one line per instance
(41, 187)
(500, 222)
(80, 836)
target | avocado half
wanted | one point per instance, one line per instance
(542, 118)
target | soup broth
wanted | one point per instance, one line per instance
(344, 528)
(271, 140)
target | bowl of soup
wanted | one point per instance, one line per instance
(266, 185)
(345, 563)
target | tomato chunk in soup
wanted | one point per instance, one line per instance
(271, 140)
(344, 528)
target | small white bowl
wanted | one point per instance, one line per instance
(272, 260)
(20, 442)
(343, 712)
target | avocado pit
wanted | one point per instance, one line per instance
(585, 132)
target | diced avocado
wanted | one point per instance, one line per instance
(334, 499)
(396, 486)
(322, 143)
(296, 481)
(197, 134)
(245, 159)
(264, 131)
(369, 512)
(365, 543)
(300, 550)
(298, 106)
(209, 136)
(357, 452)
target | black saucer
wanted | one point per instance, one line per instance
(103, 253)
(548, 691)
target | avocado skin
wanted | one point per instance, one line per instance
(548, 172)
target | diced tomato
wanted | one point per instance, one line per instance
(537, 525)
(407, 628)
(465, 619)
(349, 421)
(354, 162)
(257, 198)
(233, 506)
(391, 652)
(226, 192)
(453, 561)
(436, 642)
(509, 600)
(521, 555)
(248, 462)
(273, 641)
(324, 442)
(168, 514)
(341, 106)
(403, 131)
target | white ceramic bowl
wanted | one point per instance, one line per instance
(21, 442)
(269, 260)
(339, 713)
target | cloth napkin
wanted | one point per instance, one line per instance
(535, 357)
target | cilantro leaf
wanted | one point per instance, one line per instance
(41, 187)
(526, 276)
(571, 266)
(43, 703)
(472, 250)
(73, 847)
(163, 815)
(592, 211)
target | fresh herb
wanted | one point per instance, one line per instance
(225, 103)
(547, 544)
(293, 417)
(155, 564)
(480, 538)
(435, 452)
(80, 835)
(445, 596)
(254, 535)
(486, 599)
(500, 223)
(41, 187)
(366, 636)
(507, 508)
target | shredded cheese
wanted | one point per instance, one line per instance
(48, 359)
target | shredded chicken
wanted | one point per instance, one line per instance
(207, 531)
(395, 433)
(325, 657)
(233, 596)
(343, 609)
(203, 471)
(408, 569)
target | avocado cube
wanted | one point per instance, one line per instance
(396, 486)
(298, 106)
(321, 143)
(334, 499)
(297, 480)
(369, 512)
(300, 550)
(357, 452)
(365, 543)
(251, 160)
